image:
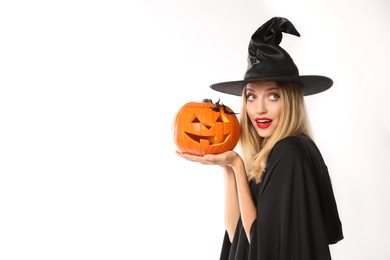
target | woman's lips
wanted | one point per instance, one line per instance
(263, 122)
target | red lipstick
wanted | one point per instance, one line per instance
(263, 122)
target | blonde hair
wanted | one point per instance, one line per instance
(293, 121)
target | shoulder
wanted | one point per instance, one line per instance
(294, 145)
(296, 149)
(290, 158)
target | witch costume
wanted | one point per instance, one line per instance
(297, 216)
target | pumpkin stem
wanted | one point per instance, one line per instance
(206, 100)
(218, 105)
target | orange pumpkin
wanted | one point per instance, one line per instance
(205, 128)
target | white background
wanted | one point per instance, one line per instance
(88, 92)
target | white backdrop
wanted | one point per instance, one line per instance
(88, 92)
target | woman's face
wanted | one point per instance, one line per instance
(263, 106)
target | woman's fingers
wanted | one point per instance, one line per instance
(222, 159)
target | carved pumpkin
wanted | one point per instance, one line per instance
(205, 128)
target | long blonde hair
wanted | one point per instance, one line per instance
(293, 121)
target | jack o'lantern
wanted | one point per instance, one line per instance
(205, 128)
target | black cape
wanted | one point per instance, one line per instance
(297, 216)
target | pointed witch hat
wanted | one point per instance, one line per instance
(268, 61)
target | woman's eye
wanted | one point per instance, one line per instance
(250, 97)
(273, 97)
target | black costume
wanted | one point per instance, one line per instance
(297, 216)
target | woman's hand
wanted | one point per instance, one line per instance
(224, 159)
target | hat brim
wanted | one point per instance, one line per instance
(311, 84)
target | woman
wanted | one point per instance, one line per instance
(279, 202)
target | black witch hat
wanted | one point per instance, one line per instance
(268, 61)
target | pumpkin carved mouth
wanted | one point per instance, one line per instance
(211, 139)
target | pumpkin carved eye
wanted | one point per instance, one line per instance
(221, 120)
(200, 130)
(196, 120)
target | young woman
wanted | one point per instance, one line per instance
(279, 201)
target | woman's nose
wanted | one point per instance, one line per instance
(261, 107)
